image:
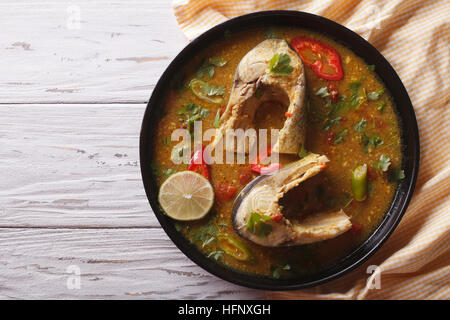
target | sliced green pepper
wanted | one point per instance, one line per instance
(234, 248)
(359, 182)
(196, 87)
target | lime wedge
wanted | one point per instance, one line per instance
(186, 196)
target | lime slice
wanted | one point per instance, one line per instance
(186, 196)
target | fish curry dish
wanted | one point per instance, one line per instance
(277, 152)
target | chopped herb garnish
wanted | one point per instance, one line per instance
(370, 142)
(322, 92)
(208, 66)
(395, 175)
(279, 64)
(332, 122)
(340, 136)
(374, 95)
(355, 98)
(303, 152)
(360, 125)
(216, 255)
(371, 67)
(218, 62)
(383, 164)
(206, 235)
(278, 270)
(257, 226)
(193, 113)
(216, 123)
(381, 106)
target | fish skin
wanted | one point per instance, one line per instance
(264, 198)
(253, 72)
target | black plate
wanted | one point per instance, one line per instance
(405, 111)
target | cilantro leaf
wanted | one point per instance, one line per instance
(395, 175)
(375, 94)
(216, 255)
(193, 113)
(322, 92)
(340, 136)
(207, 67)
(332, 122)
(360, 125)
(370, 142)
(279, 64)
(205, 235)
(381, 106)
(383, 164)
(257, 226)
(355, 98)
(218, 62)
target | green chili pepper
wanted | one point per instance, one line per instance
(234, 248)
(359, 183)
(197, 87)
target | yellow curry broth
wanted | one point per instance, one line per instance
(333, 185)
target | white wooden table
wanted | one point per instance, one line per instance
(75, 78)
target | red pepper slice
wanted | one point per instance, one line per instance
(197, 163)
(277, 217)
(321, 58)
(225, 191)
(262, 168)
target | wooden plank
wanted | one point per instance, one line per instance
(82, 51)
(72, 166)
(113, 264)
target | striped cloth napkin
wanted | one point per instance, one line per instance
(414, 37)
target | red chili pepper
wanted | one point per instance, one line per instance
(321, 58)
(330, 137)
(334, 94)
(262, 168)
(225, 191)
(288, 114)
(277, 217)
(197, 163)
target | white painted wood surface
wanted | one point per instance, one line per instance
(74, 81)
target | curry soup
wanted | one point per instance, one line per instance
(352, 121)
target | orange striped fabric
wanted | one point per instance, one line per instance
(414, 36)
